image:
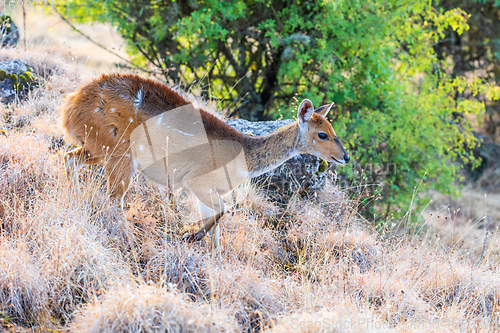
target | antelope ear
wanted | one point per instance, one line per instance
(323, 110)
(305, 112)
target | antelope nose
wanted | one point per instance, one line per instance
(346, 158)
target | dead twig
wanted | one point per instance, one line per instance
(485, 239)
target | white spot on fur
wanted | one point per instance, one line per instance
(138, 99)
(123, 140)
(96, 110)
(131, 120)
(124, 97)
(112, 110)
(141, 147)
(314, 141)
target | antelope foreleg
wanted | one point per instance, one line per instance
(207, 227)
(211, 209)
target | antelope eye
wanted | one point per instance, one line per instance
(323, 136)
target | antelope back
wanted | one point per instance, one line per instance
(102, 114)
(131, 117)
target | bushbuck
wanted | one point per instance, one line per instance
(132, 123)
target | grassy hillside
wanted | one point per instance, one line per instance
(69, 260)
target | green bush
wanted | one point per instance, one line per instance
(399, 110)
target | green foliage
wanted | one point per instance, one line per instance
(476, 52)
(5, 24)
(399, 110)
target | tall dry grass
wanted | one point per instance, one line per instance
(69, 260)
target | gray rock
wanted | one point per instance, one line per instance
(303, 174)
(14, 66)
(7, 92)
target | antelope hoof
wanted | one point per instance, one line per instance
(193, 237)
(189, 237)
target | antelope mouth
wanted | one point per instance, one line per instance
(336, 161)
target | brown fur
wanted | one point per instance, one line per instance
(101, 116)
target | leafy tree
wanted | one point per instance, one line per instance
(397, 103)
(476, 51)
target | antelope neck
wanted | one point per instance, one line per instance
(264, 153)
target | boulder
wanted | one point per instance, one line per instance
(303, 174)
(16, 79)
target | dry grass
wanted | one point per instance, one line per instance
(69, 260)
(48, 33)
(151, 308)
